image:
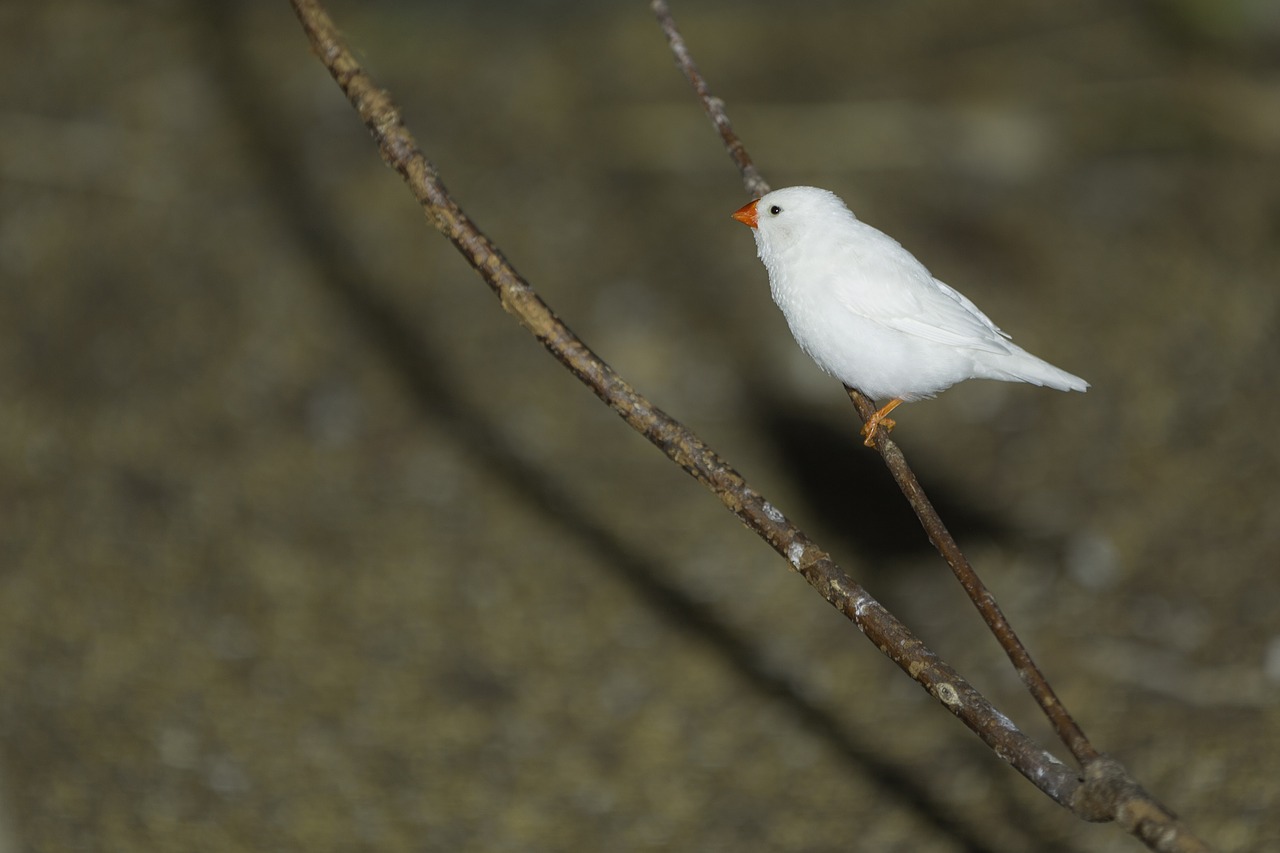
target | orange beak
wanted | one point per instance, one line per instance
(747, 214)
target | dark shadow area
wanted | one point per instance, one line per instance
(824, 460)
(848, 488)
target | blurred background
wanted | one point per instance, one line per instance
(305, 544)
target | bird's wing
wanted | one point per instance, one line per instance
(895, 290)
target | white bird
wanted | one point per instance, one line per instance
(870, 314)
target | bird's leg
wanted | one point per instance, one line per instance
(880, 420)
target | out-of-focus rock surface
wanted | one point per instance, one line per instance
(304, 544)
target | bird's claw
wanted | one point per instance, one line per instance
(876, 423)
(880, 420)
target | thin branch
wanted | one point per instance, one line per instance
(751, 178)
(678, 442)
(1097, 800)
(1031, 676)
(1110, 792)
(982, 598)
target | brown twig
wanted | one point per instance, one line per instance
(1110, 792)
(677, 441)
(401, 152)
(1031, 676)
(751, 178)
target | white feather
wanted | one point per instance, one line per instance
(870, 314)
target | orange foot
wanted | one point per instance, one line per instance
(880, 420)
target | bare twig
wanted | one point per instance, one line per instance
(1110, 792)
(1031, 675)
(678, 442)
(751, 178)
(401, 152)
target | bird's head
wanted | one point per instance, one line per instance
(783, 218)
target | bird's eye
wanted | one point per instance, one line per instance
(775, 210)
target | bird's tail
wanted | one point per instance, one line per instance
(1022, 366)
